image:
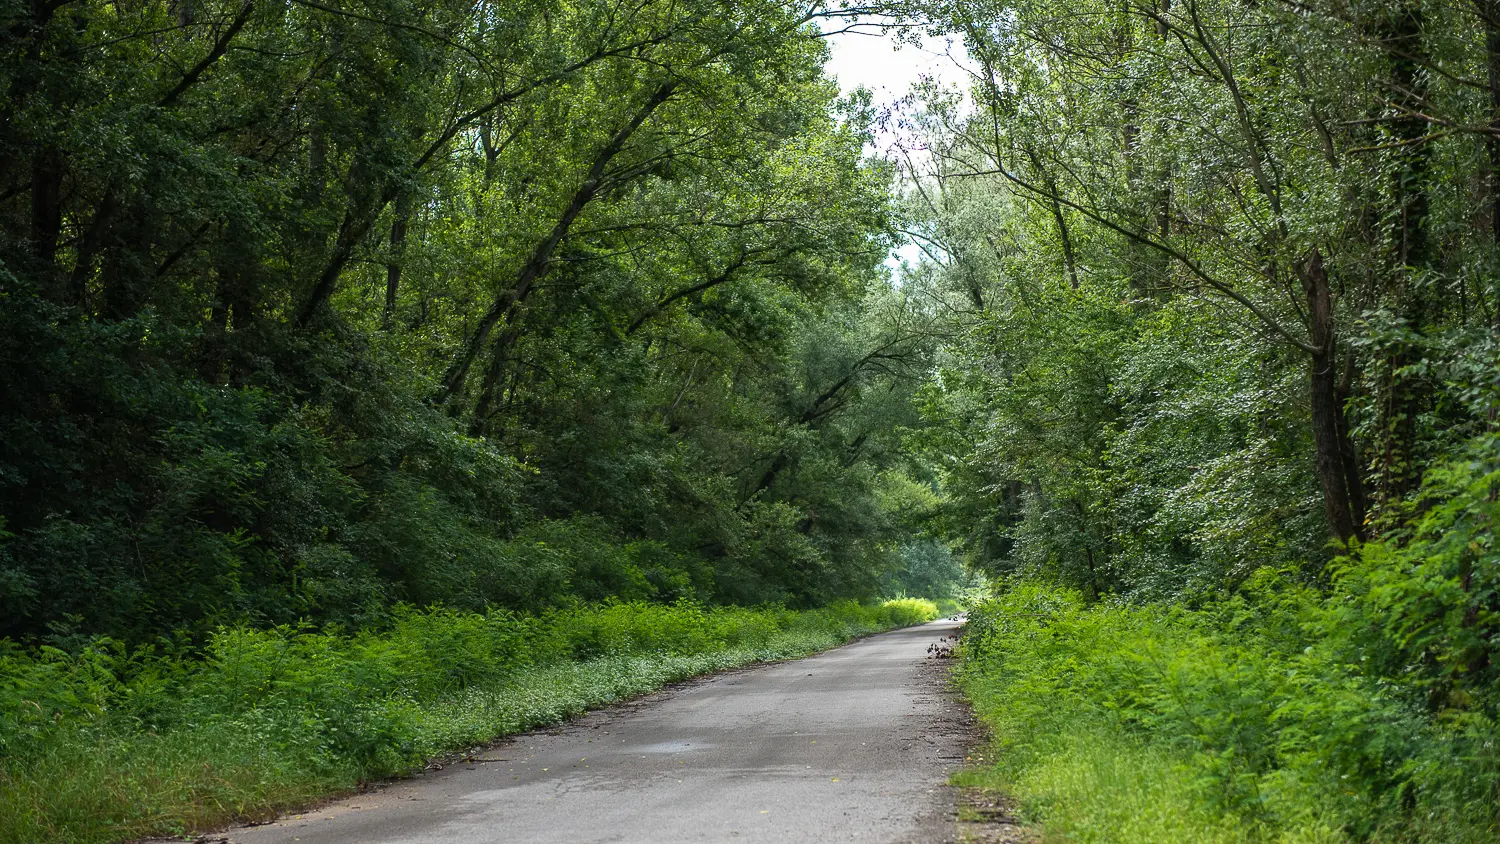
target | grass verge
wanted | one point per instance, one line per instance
(108, 744)
(1239, 722)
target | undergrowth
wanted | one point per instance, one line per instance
(1251, 720)
(109, 743)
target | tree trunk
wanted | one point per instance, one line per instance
(1359, 504)
(1409, 249)
(46, 204)
(1070, 263)
(1489, 16)
(398, 248)
(358, 220)
(1327, 410)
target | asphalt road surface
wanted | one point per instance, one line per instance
(853, 744)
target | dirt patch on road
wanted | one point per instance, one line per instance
(990, 816)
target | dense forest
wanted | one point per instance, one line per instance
(373, 316)
(1224, 377)
(311, 310)
(1224, 276)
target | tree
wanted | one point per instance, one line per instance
(313, 308)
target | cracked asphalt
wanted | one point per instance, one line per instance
(854, 744)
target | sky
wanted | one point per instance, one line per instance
(889, 69)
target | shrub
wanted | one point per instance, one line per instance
(1256, 734)
(111, 742)
(904, 612)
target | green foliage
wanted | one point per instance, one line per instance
(1219, 401)
(1240, 719)
(565, 321)
(1120, 451)
(1419, 608)
(112, 743)
(579, 302)
(927, 568)
(1212, 289)
(904, 612)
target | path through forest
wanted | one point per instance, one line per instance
(853, 744)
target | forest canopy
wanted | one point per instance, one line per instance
(310, 309)
(1223, 286)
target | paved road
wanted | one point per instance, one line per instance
(852, 744)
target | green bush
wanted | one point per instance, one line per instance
(904, 612)
(110, 743)
(1232, 727)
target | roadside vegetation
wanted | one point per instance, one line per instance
(113, 743)
(1262, 719)
(1219, 408)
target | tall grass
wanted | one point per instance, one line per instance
(1238, 723)
(107, 744)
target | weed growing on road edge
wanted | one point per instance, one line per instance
(109, 744)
